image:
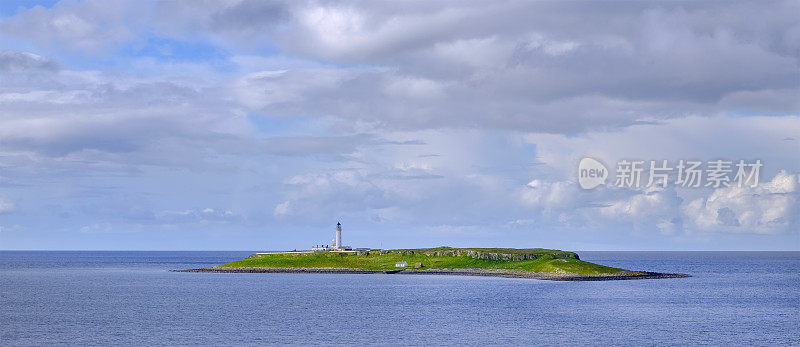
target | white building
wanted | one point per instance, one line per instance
(401, 264)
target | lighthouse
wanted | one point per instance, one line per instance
(338, 243)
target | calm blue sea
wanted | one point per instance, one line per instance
(130, 298)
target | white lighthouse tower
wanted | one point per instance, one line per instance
(338, 243)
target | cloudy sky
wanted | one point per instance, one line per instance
(239, 125)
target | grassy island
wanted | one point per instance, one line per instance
(537, 263)
(532, 260)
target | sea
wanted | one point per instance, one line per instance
(89, 298)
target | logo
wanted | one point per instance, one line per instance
(591, 173)
(686, 173)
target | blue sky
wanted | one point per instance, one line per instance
(249, 125)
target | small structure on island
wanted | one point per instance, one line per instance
(336, 243)
(401, 264)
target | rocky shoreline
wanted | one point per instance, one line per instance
(628, 275)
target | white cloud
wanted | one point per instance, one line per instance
(770, 207)
(561, 195)
(97, 228)
(327, 196)
(704, 138)
(414, 88)
(6, 206)
(649, 209)
(94, 26)
(197, 216)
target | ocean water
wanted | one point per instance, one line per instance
(130, 298)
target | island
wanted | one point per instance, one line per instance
(535, 263)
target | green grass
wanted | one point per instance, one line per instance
(552, 261)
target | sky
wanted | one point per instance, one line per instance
(257, 125)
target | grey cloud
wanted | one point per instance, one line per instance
(562, 67)
(252, 16)
(245, 25)
(334, 146)
(726, 217)
(13, 61)
(404, 175)
(63, 113)
(117, 131)
(406, 142)
(361, 96)
(548, 67)
(316, 145)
